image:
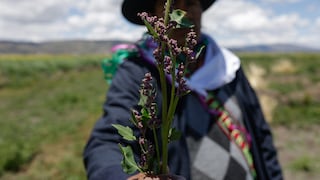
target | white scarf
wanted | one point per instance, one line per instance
(219, 68)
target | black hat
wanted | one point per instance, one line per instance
(130, 8)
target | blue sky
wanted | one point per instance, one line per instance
(231, 22)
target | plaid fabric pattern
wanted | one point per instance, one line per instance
(217, 158)
(219, 155)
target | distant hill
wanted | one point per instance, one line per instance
(104, 47)
(58, 47)
(275, 48)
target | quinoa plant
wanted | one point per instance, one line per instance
(154, 156)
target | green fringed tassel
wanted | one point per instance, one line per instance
(110, 65)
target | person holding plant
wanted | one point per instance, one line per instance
(223, 133)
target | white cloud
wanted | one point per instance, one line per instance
(21, 11)
(312, 36)
(39, 20)
(51, 19)
(282, 1)
(317, 23)
(231, 22)
(241, 22)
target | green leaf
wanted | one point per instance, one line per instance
(133, 118)
(174, 134)
(150, 29)
(128, 163)
(143, 99)
(178, 16)
(125, 131)
(145, 115)
(199, 52)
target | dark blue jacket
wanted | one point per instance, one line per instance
(102, 156)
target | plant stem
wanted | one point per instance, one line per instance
(164, 134)
(165, 120)
(172, 111)
(166, 12)
(157, 146)
(173, 81)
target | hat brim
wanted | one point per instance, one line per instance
(130, 8)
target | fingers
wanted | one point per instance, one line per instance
(139, 176)
(142, 176)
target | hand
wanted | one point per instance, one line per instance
(141, 176)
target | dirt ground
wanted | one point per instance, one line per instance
(298, 151)
(298, 148)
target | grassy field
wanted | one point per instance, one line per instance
(293, 80)
(48, 105)
(45, 101)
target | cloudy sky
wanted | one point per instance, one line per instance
(231, 22)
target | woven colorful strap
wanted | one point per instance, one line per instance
(235, 131)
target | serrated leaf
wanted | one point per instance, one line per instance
(125, 131)
(178, 16)
(174, 134)
(128, 163)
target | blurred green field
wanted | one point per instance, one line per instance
(48, 105)
(45, 100)
(293, 80)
